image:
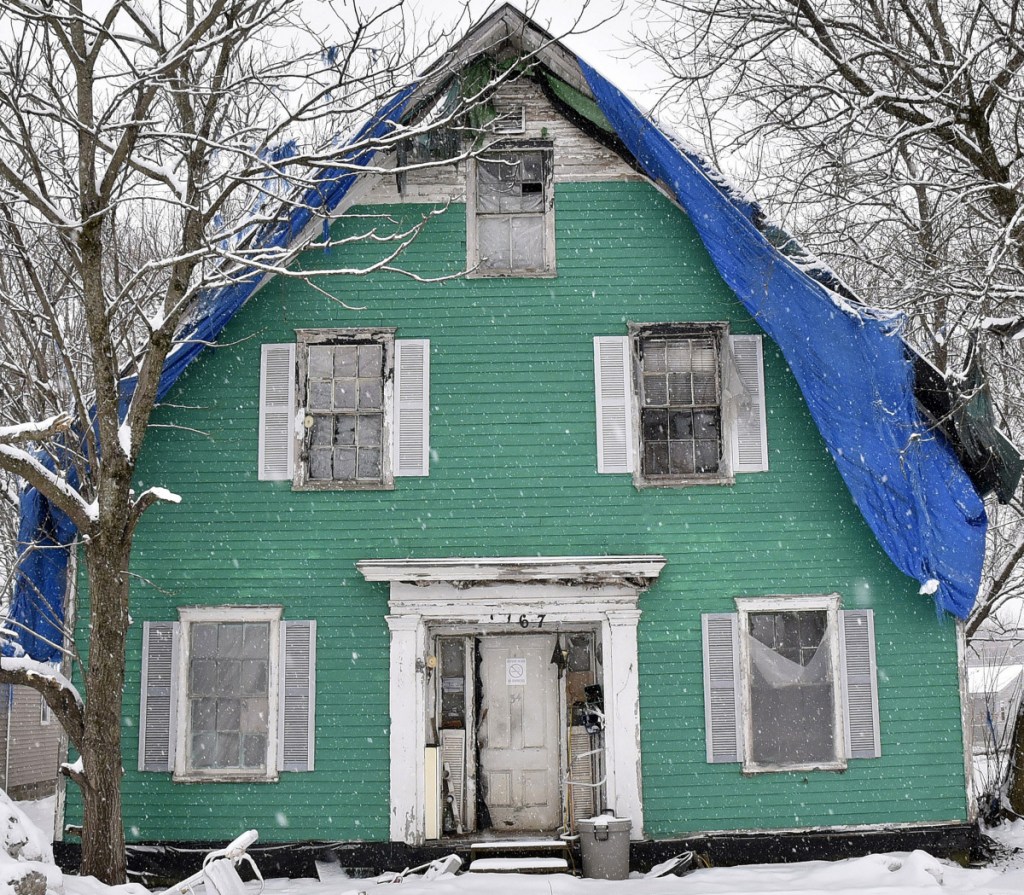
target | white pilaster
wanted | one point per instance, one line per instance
(622, 711)
(407, 741)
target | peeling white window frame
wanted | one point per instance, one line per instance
(549, 266)
(304, 338)
(719, 330)
(830, 604)
(189, 615)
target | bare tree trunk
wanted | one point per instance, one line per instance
(103, 846)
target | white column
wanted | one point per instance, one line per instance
(622, 710)
(407, 742)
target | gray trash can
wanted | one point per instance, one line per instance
(604, 843)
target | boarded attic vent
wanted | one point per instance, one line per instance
(511, 122)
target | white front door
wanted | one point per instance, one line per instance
(518, 732)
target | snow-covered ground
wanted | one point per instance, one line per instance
(888, 874)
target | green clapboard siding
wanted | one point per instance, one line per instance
(513, 472)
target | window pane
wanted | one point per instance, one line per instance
(345, 362)
(320, 436)
(371, 394)
(493, 243)
(228, 694)
(319, 464)
(369, 463)
(528, 243)
(655, 391)
(320, 394)
(680, 457)
(321, 361)
(792, 692)
(345, 394)
(369, 361)
(370, 430)
(344, 464)
(345, 428)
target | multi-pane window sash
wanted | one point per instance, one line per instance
(680, 405)
(511, 207)
(345, 414)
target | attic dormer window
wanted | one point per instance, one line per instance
(510, 212)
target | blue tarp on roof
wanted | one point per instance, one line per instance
(851, 364)
(45, 533)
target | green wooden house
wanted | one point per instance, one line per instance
(487, 554)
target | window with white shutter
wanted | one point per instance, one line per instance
(359, 416)
(685, 400)
(277, 408)
(613, 390)
(790, 684)
(411, 442)
(750, 434)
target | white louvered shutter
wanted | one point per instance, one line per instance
(277, 408)
(159, 697)
(860, 683)
(613, 389)
(411, 441)
(721, 687)
(750, 435)
(297, 712)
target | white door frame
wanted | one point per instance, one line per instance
(495, 594)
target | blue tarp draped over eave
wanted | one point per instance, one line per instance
(852, 366)
(45, 533)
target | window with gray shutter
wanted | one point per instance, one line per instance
(860, 683)
(721, 687)
(158, 696)
(298, 696)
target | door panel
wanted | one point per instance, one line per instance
(518, 731)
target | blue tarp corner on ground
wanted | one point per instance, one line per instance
(851, 364)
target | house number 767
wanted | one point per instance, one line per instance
(524, 621)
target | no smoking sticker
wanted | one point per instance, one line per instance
(515, 672)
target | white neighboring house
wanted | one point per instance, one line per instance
(995, 681)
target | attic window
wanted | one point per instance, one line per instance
(510, 212)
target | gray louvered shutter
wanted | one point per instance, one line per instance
(860, 683)
(277, 408)
(721, 687)
(297, 696)
(613, 389)
(411, 441)
(750, 435)
(159, 697)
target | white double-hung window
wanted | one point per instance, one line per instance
(228, 693)
(510, 211)
(789, 684)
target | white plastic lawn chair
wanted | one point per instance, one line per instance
(219, 874)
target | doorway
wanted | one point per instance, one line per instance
(518, 724)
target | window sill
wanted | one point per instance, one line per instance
(510, 274)
(752, 770)
(223, 777)
(343, 486)
(682, 481)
